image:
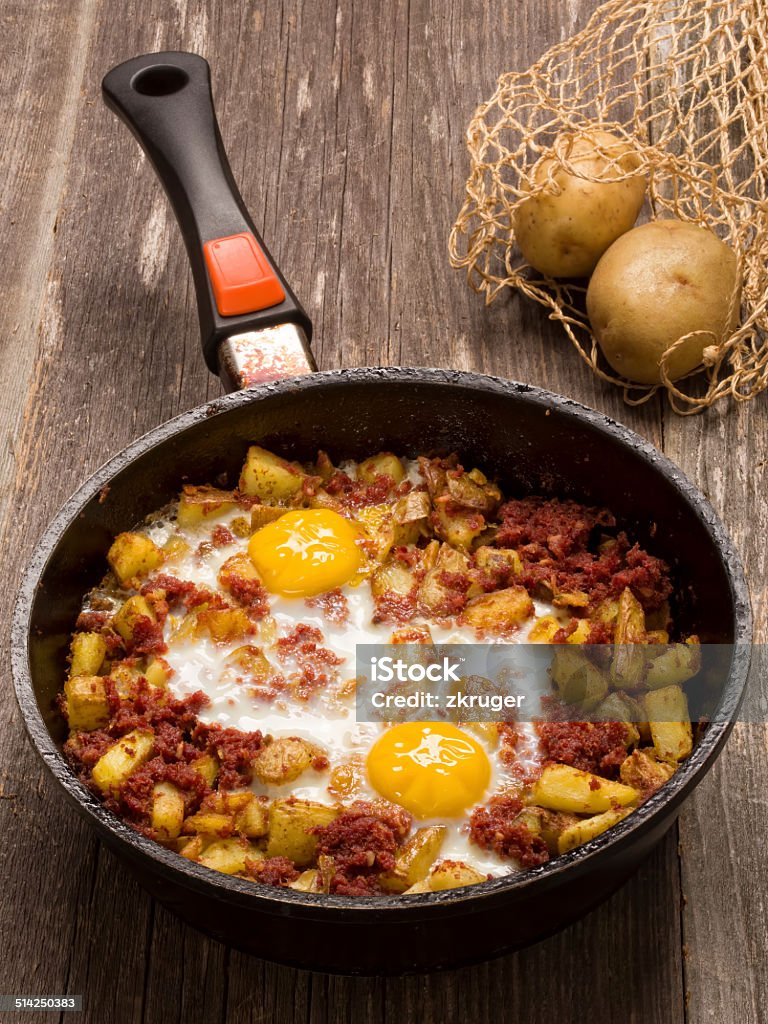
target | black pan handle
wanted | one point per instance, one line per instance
(166, 101)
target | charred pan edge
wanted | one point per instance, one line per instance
(281, 902)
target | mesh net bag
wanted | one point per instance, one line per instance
(687, 82)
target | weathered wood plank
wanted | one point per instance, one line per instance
(357, 113)
(724, 872)
(40, 83)
(724, 451)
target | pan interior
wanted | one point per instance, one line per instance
(532, 442)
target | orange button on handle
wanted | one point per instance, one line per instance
(242, 280)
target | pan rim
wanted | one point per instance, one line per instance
(280, 900)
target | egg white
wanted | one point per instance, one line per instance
(325, 719)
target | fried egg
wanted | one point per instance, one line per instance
(307, 552)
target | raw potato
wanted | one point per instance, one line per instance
(656, 284)
(563, 230)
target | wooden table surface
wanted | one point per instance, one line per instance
(344, 122)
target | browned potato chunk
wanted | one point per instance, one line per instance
(135, 608)
(228, 802)
(667, 710)
(229, 855)
(544, 629)
(643, 771)
(224, 625)
(290, 822)
(582, 831)
(122, 759)
(376, 520)
(412, 635)
(562, 788)
(434, 595)
(199, 504)
(411, 511)
(619, 707)
(383, 464)
(189, 846)
(631, 657)
(499, 611)
(273, 480)
(263, 515)
(571, 599)
(454, 874)
(167, 810)
(158, 672)
(414, 858)
(578, 679)
(133, 555)
(87, 654)
(87, 705)
(392, 577)
(210, 823)
(253, 819)
(208, 766)
(237, 573)
(498, 560)
(308, 881)
(473, 491)
(548, 825)
(674, 665)
(284, 760)
(458, 527)
(250, 662)
(124, 677)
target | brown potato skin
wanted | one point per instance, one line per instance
(655, 284)
(564, 229)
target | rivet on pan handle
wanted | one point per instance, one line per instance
(252, 325)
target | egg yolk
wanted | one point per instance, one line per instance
(306, 552)
(432, 769)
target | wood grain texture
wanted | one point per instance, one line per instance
(39, 91)
(724, 871)
(344, 122)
